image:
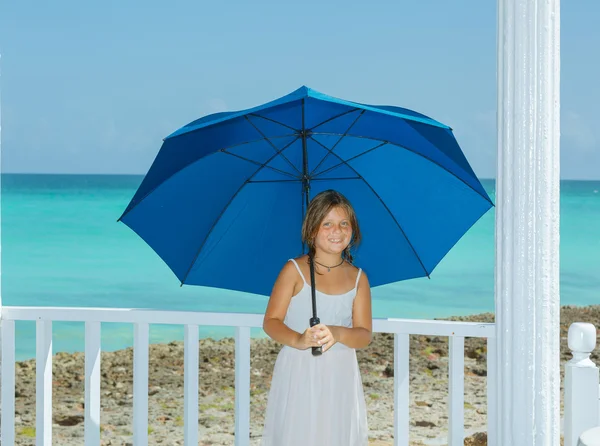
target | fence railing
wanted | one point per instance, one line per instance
(191, 321)
(582, 384)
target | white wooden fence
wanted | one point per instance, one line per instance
(582, 385)
(141, 320)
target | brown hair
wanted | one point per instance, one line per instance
(318, 209)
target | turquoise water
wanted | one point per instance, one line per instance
(62, 246)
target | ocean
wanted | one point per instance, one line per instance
(62, 246)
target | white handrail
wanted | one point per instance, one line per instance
(143, 318)
(149, 316)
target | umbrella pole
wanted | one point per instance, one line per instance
(314, 320)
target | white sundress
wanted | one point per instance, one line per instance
(317, 401)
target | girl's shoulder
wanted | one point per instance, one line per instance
(352, 267)
(301, 259)
(295, 268)
(357, 274)
(296, 273)
(299, 264)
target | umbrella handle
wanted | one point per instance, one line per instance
(316, 351)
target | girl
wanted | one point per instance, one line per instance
(319, 400)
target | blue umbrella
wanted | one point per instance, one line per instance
(224, 200)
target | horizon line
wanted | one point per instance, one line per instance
(143, 174)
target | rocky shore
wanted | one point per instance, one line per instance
(428, 389)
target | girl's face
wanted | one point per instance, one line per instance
(335, 232)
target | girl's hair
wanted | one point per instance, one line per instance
(318, 209)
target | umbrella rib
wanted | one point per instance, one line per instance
(412, 151)
(225, 208)
(259, 164)
(384, 206)
(258, 140)
(274, 121)
(337, 179)
(272, 145)
(335, 117)
(337, 142)
(198, 159)
(275, 181)
(353, 158)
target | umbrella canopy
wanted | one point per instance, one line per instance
(224, 200)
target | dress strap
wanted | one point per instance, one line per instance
(299, 272)
(358, 277)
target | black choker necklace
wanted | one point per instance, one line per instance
(329, 267)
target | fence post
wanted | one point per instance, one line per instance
(581, 383)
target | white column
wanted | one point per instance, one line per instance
(527, 223)
(1, 393)
(0, 189)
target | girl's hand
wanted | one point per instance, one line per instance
(308, 339)
(326, 336)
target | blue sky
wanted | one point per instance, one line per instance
(94, 87)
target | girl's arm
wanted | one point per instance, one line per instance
(273, 325)
(359, 336)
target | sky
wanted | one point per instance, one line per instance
(93, 87)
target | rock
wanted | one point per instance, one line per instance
(422, 423)
(432, 366)
(479, 371)
(423, 404)
(475, 352)
(69, 420)
(478, 439)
